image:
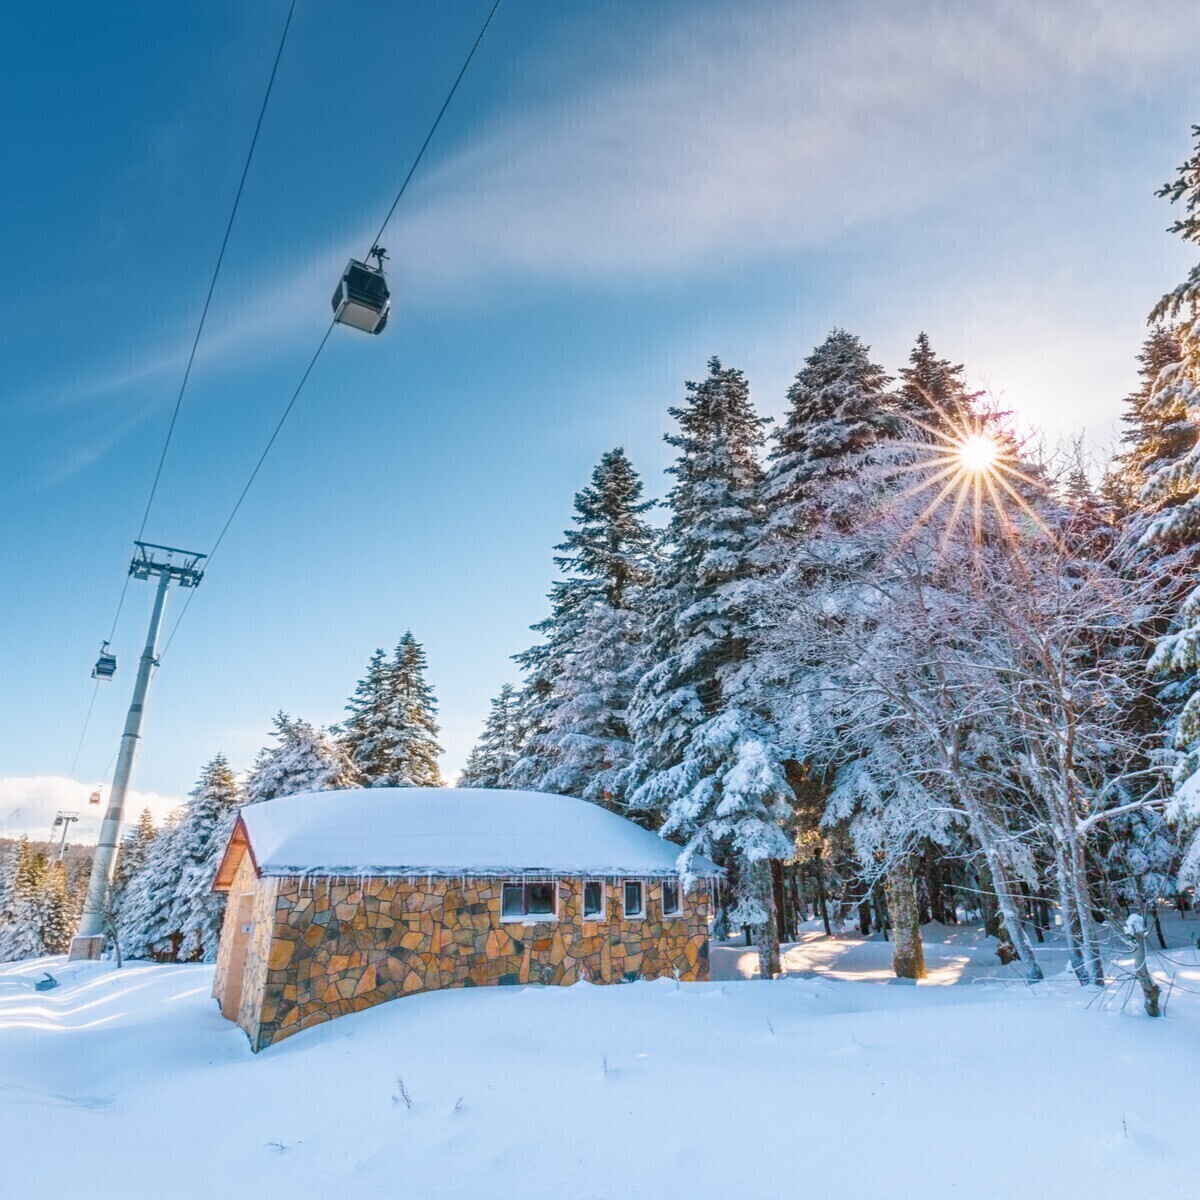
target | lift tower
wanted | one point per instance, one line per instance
(167, 564)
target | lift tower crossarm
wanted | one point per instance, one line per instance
(169, 565)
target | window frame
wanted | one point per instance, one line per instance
(677, 914)
(602, 915)
(626, 915)
(526, 917)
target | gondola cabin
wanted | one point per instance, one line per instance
(106, 665)
(362, 299)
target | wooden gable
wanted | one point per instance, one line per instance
(238, 848)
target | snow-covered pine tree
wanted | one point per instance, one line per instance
(580, 679)
(144, 906)
(56, 910)
(838, 408)
(135, 845)
(391, 733)
(303, 759)
(21, 922)
(499, 745)
(839, 418)
(415, 748)
(168, 909)
(705, 762)
(932, 394)
(1173, 490)
(1159, 429)
(364, 732)
(199, 842)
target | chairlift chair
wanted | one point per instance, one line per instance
(106, 664)
(361, 299)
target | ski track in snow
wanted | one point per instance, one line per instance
(130, 1084)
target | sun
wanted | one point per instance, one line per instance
(978, 454)
(967, 469)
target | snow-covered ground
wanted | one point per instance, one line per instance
(129, 1084)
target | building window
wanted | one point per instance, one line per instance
(593, 900)
(670, 897)
(527, 901)
(635, 900)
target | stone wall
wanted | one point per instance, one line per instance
(339, 947)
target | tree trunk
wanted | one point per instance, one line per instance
(1150, 990)
(819, 876)
(908, 955)
(782, 907)
(767, 934)
(1011, 918)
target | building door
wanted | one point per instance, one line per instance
(231, 1001)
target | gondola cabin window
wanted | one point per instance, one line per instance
(528, 901)
(635, 900)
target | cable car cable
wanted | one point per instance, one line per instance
(317, 354)
(433, 127)
(162, 458)
(283, 416)
(83, 732)
(237, 199)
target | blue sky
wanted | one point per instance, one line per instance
(618, 191)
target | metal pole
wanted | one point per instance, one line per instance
(89, 941)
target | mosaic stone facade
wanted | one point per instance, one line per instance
(321, 948)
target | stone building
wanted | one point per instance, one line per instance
(341, 900)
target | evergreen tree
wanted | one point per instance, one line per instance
(145, 905)
(391, 734)
(364, 732)
(1160, 431)
(1173, 491)
(135, 845)
(21, 920)
(704, 762)
(56, 910)
(838, 408)
(415, 749)
(580, 679)
(303, 759)
(169, 909)
(499, 745)
(932, 394)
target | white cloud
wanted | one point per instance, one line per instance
(28, 806)
(760, 130)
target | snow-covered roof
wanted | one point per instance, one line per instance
(451, 831)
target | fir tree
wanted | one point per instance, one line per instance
(364, 732)
(932, 394)
(838, 408)
(1160, 431)
(56, 910)
(199, 842)
(21, 921)
(303, 759)
(1173, 491)
(135, 845)
(391, 734)
(144, 906)
(415, 748)
(169, 909)
(499, 745)
(704, 762)
(579, 681)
